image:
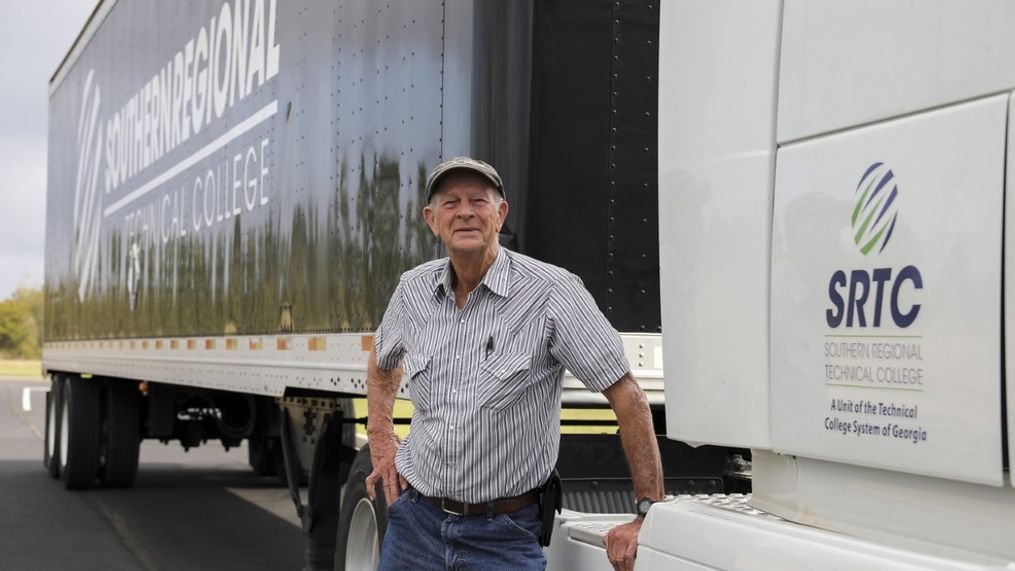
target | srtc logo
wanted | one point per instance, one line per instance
(876, 210)
(862, 297)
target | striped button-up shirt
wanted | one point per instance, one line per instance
(485, 380)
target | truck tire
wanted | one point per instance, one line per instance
(121, 434)
(361, 522)
(79, 432)
(51, 446)
(261, 455)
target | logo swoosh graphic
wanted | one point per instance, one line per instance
(87, 199)
(875, 212)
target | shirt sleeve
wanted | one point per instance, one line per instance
(388, 339)
(583, 339)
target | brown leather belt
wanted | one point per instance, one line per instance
(503, 506)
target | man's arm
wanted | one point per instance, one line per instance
(639, 441)
(382, 386)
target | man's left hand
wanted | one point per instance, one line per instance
(622, 544)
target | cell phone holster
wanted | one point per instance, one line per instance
(551, 497)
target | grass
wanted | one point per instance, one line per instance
(403, 409)
(14, 368)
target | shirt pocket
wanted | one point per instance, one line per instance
(526, 337)
(504, 378)
(417, 367)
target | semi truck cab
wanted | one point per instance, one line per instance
(835, 284)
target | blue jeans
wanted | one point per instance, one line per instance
(422, 536)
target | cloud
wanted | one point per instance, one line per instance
(25, 270)
(34, 37)
(23, 195)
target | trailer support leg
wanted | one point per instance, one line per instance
(329, 470)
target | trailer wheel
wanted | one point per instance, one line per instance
(261, 455)
(79, 432)
(51, 448)
(121, 434)
(361, 523)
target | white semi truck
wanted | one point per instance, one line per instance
(836, 270)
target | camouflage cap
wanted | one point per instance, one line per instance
(463, 163)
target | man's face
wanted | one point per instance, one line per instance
(465, 214)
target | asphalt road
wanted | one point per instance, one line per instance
(204, 509)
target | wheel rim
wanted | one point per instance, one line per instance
(362, 549)
(64, 430)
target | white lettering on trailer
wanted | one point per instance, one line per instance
(204, 152)
(219, 65)
(215, 69)
(219, 192)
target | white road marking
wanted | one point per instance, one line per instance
(26, 396)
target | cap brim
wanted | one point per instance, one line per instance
(435, 183)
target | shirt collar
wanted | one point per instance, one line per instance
(497, 278)
(442, 283)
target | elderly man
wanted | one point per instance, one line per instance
(485, 335)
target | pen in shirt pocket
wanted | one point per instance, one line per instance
(489, 347)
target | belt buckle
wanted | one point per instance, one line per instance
(446, 510)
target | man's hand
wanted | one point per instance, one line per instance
(382, 456)
(634, 418)
(622, 544)
(382, 385)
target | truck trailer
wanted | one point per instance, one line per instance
(235, 186)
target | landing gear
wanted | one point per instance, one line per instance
(315, 441)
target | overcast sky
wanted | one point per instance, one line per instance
(34, 37)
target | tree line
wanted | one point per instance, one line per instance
(21, 317)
